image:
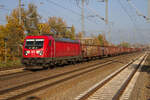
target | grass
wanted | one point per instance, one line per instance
(14, 63)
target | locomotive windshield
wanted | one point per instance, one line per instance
(34, 43)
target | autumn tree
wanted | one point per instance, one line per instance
(102, 40)
(44, 28)
(2, 44)
(32, 20)
(124, 44)
(13, 30)
(58, 26)
(73, 36)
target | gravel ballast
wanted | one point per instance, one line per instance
(141, 89)
(70, 89)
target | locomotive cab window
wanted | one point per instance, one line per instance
(34, 43)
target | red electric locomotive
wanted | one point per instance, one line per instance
(46, 50)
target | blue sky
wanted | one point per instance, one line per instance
(127, 26)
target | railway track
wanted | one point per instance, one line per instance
(9, 75)
(25, 89)
(34, 86)
(27, 72)
(113, 86)
(14, 75)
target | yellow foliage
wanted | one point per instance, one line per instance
(44, 28)
(58, 26)
(102, 40)
(124, 44)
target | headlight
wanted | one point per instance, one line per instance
(26, 52)
(39, 52)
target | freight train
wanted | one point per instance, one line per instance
(44, 51)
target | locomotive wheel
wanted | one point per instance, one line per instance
(45, 66)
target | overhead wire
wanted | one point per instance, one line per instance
(130, 17)
(97, 15)
(139, 13)
(132, 20)
(63, 7)
(52, 11)
(125, 10)
(70, 10)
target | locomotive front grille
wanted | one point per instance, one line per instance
(33, 61)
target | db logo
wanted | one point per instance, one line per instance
(32, 51)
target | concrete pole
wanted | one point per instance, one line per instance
(148, 9)
(106, 12)
(20, 12)
(82, 18)
(108, 25)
